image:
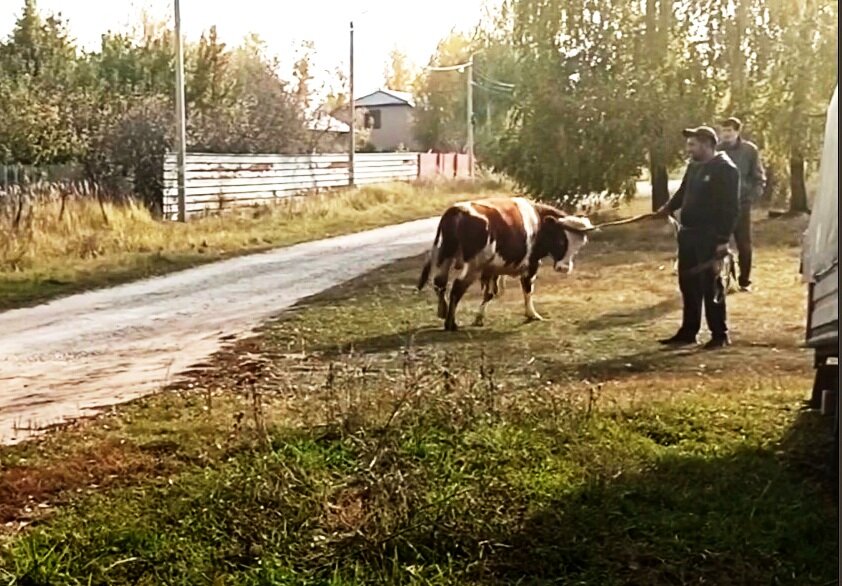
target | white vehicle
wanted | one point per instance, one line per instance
(820, 267)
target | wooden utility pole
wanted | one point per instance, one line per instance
(180, 123)
(353, 135)
(469, 70)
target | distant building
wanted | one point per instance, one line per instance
(328, 134)
(389, 119)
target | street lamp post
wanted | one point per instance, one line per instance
(470, 109)
(468, 68)
(353, 134)
(181, 139)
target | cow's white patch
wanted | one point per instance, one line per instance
(480, 319)
(469, 208)
(575, 242)
(531, 222)
(530, 307)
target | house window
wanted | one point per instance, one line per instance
(372, 119)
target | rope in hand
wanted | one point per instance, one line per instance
(631, 220)
(709, 264)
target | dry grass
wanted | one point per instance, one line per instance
(62, 239)
(354, 442)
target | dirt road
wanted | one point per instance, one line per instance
(68, 358)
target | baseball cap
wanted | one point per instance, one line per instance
(732, 122)
(701, 132)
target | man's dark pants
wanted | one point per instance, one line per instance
(696, 246)
(742, 237)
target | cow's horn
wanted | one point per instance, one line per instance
(577, 224)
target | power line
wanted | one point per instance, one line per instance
(502, 84)
(458, 67)
(504, 91)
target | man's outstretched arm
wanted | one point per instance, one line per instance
(675, 201)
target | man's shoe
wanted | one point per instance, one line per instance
(680, 339)
(745, 288)
(717, 343)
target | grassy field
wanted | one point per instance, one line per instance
(354, 442)
(53, 248)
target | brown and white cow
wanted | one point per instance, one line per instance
(497, 237)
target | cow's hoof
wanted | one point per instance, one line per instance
(451, 327)
(479, 321)
(534, 317)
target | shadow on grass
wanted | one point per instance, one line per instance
(755, 516)
(649, 359)
(630, 318)
(427, 337)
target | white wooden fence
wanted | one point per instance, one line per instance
(217, 182)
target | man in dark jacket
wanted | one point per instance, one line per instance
(709, 202)
(752, 182)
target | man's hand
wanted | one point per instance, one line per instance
(721, 250)
(662, 212)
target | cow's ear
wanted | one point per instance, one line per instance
(551, 221)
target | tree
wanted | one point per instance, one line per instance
(440, 109)
(131, 148)
(803, 74)
(336, 106)
(398, 74)
(39, 49)
(303, 74)
(274, 119)
(39, 91)
(494, 71)
(575, 127)
(210, 85)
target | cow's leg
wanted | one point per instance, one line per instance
(457, 290)
(490, 289)
(440, 286)
(527, 283)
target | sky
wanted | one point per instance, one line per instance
(413, 26)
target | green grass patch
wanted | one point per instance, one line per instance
(354, 442)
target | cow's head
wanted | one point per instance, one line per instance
(563, 238)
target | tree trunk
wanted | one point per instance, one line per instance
(737, 61)
(651, 21)
(771, 183)
(664, 24)
(658, 19)
(660, 186)
(797, 187)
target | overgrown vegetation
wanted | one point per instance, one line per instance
(60, 239)
(576, 97)
(354, 442)
(110, 111)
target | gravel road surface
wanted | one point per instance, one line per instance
(75, 355)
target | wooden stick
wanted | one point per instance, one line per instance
(631, 220)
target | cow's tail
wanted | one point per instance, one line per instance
(432, 259)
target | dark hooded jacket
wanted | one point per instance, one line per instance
(709, 198)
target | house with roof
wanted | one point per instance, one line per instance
(326, 133)
(388, 116)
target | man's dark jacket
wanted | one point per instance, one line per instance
(752, 175)
(709, 198)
